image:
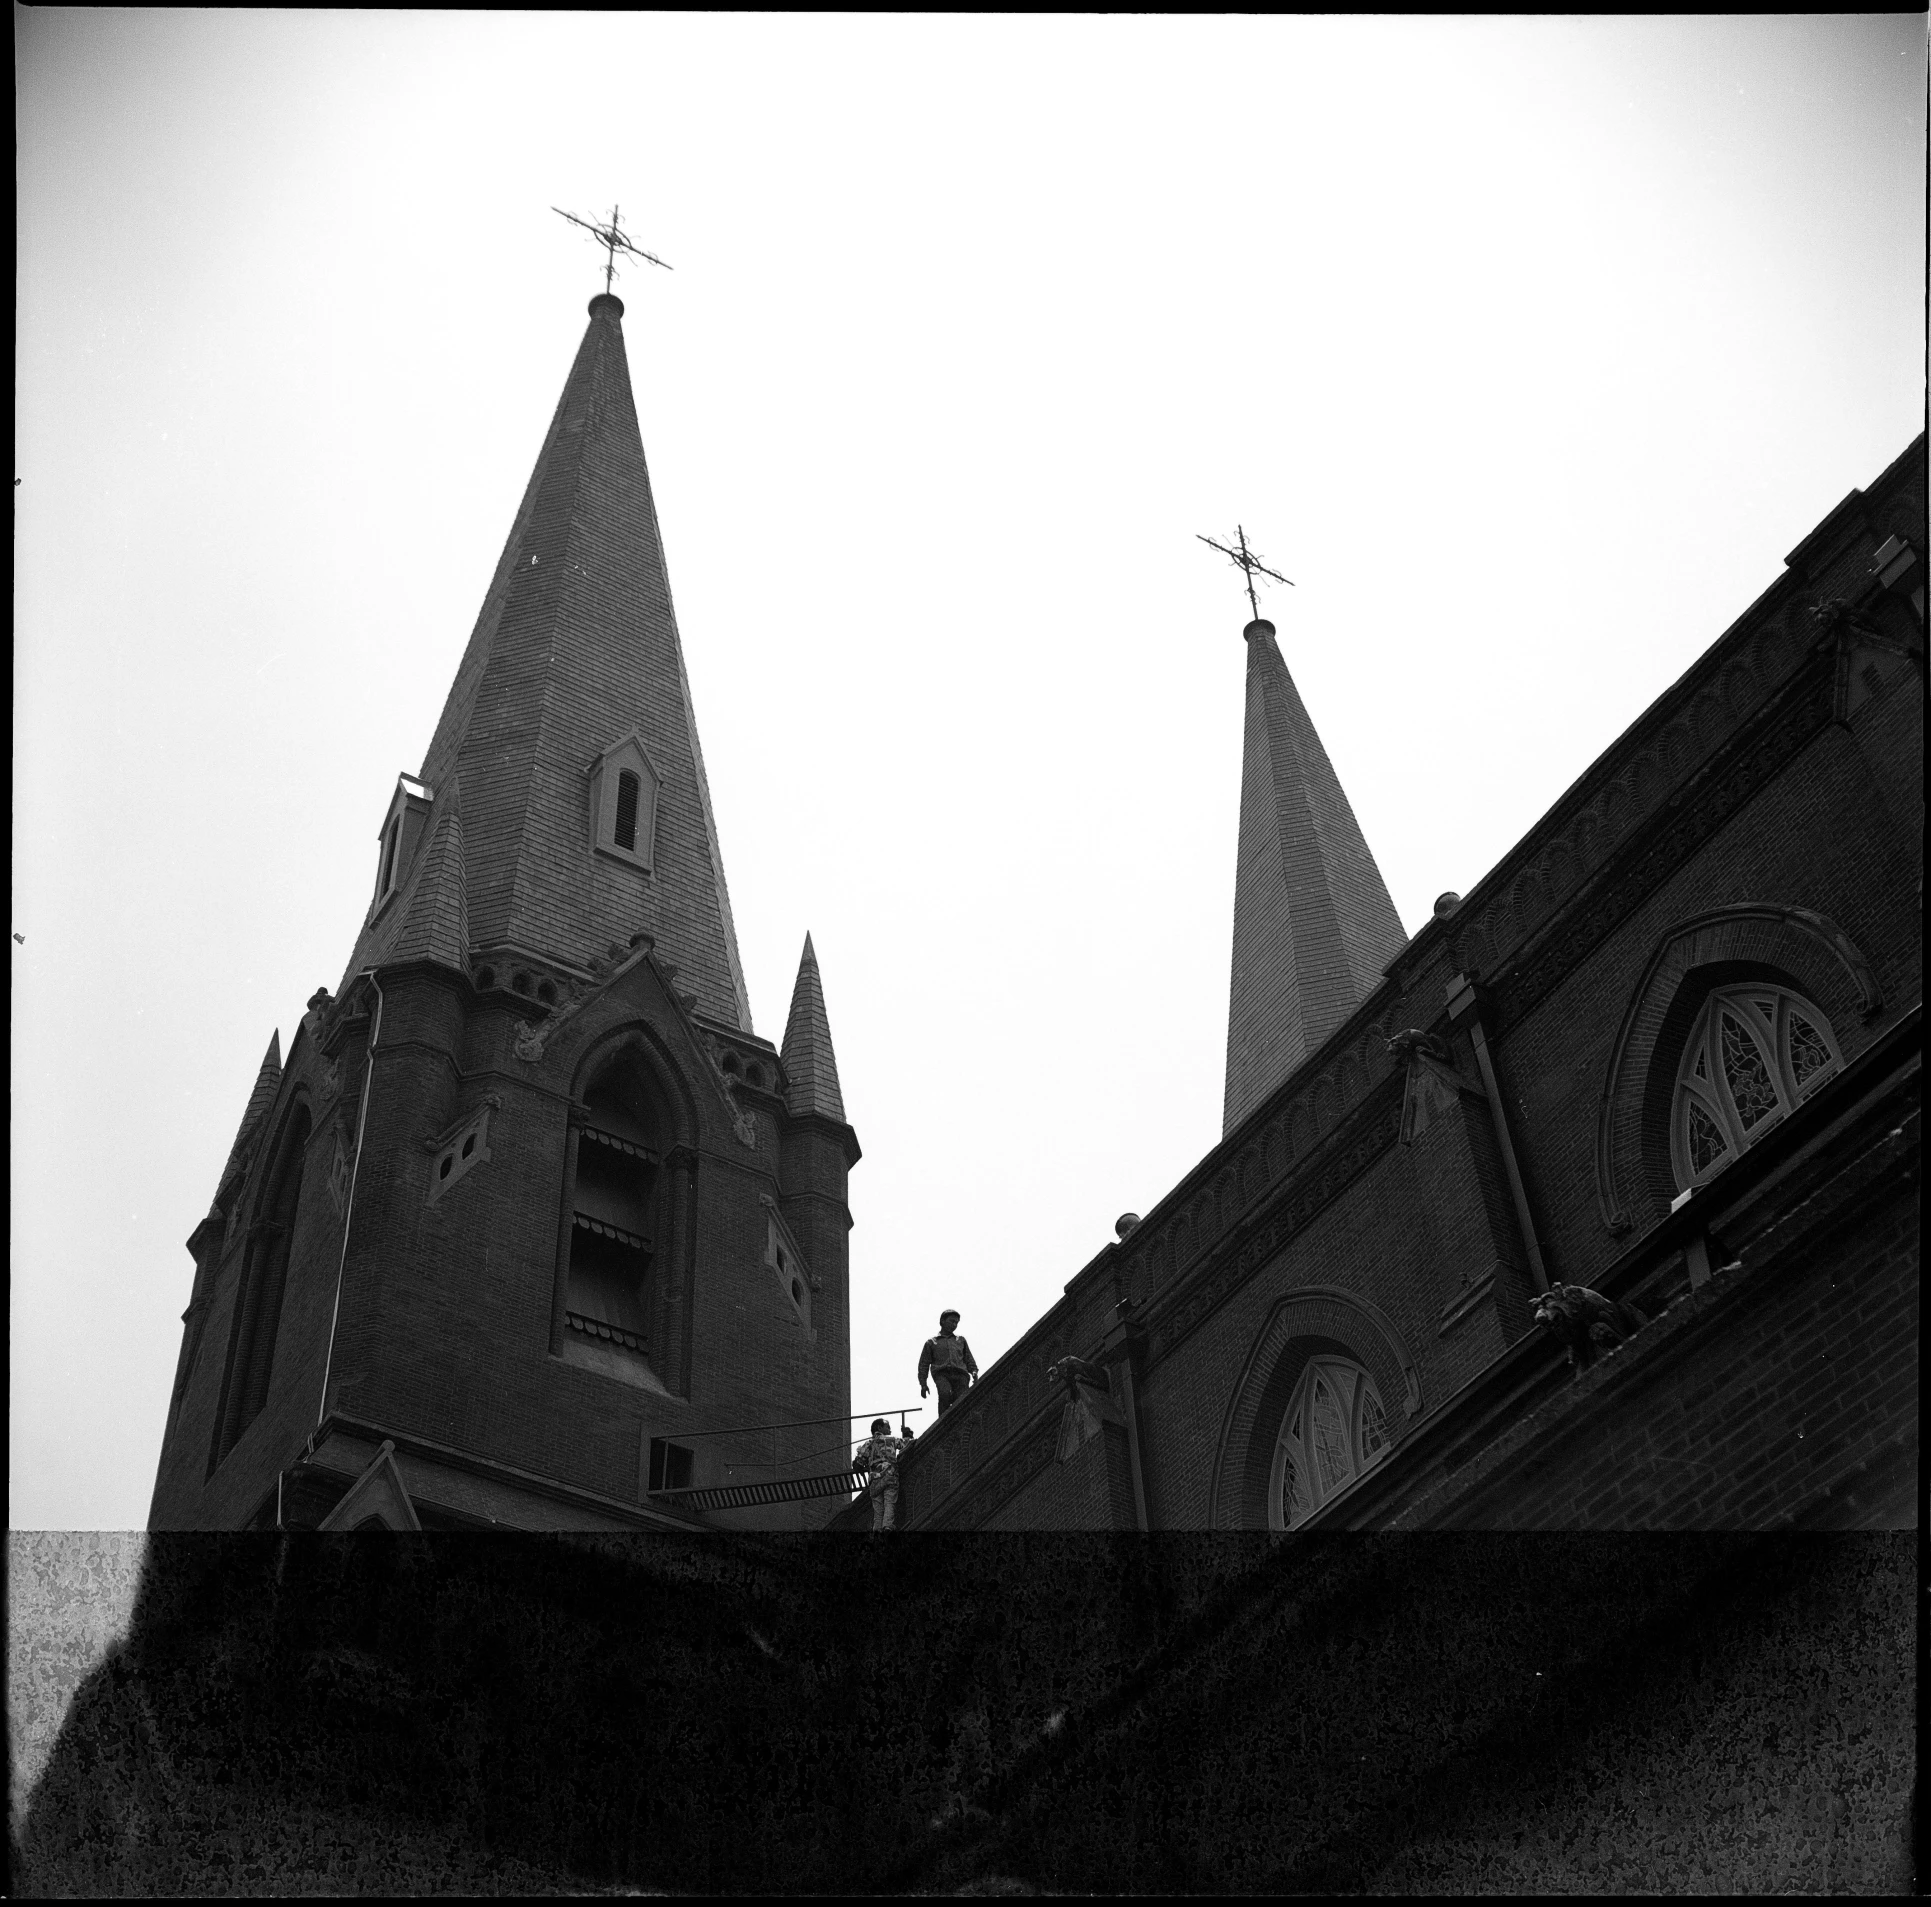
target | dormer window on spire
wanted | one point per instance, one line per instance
(623, 802)
(404, 828)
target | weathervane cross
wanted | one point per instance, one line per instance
(1248, 564)
(614, 239)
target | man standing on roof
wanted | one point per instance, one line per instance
(878, 1456)
(947, 1359)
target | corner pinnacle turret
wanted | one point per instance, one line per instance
(1314, 927)
(268, 1080)
(811, 1068)
(433, 922)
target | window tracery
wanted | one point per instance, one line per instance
(1754, 1054)
(1335, 1428)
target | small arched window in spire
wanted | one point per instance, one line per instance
(624, 785)
(401, 834)
(1755, 1053)
(387, 878)
(1335, 1428)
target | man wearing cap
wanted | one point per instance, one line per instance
(947, 1359)
(878, 1457)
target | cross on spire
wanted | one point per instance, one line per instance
(614, 239)
(1248, 564)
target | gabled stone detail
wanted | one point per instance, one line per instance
(532, 1038)
(379, 1493)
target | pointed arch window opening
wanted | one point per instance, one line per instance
(1334, 1431)
(610, 1271)
(1754, 1054)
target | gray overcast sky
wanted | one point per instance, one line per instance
(1526, 347)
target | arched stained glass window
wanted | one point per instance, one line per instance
(1754, 1054)
(1335, 1428)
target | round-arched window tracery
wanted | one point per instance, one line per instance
(1755, 1053)
(1336, 1427)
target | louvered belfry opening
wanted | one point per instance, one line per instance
(614, 1213)
(626, 829)
(258, 1302)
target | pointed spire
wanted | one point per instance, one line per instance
(810, 1067)
(268, 1083)
(577, 646)
(434, 913)
(1314, 928)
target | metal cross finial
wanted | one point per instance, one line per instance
(1248, 564)
(613, 239)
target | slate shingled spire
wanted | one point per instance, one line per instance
(576, 647)
(1314, 927)
(810, 1067)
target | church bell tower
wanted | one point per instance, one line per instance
(531, 1225)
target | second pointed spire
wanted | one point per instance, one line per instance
(1314, 927)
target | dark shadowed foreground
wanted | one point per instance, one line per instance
(1245, 1714)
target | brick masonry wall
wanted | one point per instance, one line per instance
(186, 1496)
(1554, 1062)
(1810, 1378)
(449, 1316)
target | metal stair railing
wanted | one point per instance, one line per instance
(745, 1496)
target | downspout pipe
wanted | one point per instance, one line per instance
(348, 1212)
(1464, 1009)
(1120, 1350)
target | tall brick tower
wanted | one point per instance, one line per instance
(1313, 925)
(532, 1225)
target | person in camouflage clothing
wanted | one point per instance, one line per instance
(878, 1456)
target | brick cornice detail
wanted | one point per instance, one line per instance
(1006, 1478)
(1370, 1132)
(1659, 848)
(1732, 688)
